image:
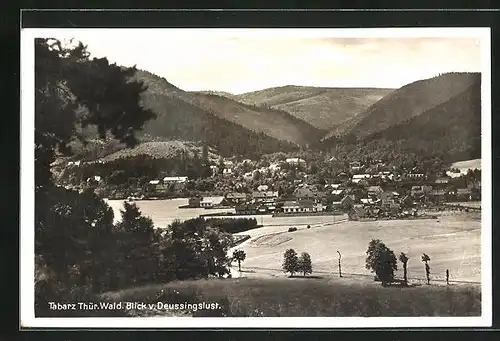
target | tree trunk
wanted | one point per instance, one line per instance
(239, 265)
(405, 274)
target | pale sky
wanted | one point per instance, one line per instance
(253, 60)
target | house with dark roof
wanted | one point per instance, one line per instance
(420, 190)
(264, 195)
(390, 200)
(464, 194)
(301, 206)
(438, 195)
(308, 193)
(337, 194)
(407, 201)
(343, 177)
(357, 212)
(347, 202)
(443, 180)
(195, 201)
(374, 191)
(246, 209)
(235, 198)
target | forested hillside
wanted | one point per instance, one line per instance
(450, 131)
(323, 108)
(409, 101)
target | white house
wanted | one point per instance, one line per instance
(154, 182)
(333, 186)
(358, 177)
(214, 169)
(301, 206)
(206, 203)
(248, 176)
(262, 188)
(175, 179)
(295, 161)
(74, 163)
(95, 178)
(416, 175)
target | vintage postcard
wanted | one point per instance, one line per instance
(316, 178)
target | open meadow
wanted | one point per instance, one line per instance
(451, 241)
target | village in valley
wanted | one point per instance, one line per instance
(285, 187)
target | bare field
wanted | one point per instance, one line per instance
(452, 242)
(464, 166)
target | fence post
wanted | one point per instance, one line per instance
(340, 267)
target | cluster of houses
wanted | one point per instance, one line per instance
(257, 202)
(348, 197)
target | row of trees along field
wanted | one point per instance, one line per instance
(79, 250)
(380, 259)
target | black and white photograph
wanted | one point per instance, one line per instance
(256, 178)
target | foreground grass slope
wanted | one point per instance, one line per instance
(321, 107)
(289, 297)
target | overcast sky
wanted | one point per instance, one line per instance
(240, 63)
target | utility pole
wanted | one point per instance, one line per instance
(340, 267)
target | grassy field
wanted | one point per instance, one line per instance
(473, 204)
(288, 297)
(464, 166)
(452, 242)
